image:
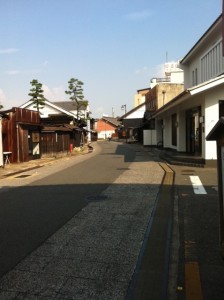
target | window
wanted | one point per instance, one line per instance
(212, 63)
(195, 77)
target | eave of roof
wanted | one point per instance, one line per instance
(59, 108)
(207, 85)
(61, 127)
(184, 59)
(145, 89)
(55, 128)
(181, 97)
(131, 111)
(186, 94)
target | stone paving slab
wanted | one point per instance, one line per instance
(94, 255)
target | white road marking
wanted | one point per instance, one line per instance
(197, 185)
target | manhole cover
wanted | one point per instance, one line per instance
(22, 176)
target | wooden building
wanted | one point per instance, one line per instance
(26, 136)
(21, 134)
(60, 139)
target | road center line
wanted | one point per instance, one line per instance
(197, 185)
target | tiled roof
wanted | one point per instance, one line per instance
(112, 120)
(68, 105)
(61, 127)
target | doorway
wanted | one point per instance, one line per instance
(221, 108)
(174, 129)
(193, 131)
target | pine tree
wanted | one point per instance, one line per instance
(75, 90)
(36, 93)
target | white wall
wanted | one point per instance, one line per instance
(197, 58)
(105, 134)
(149, 138)
(137, 114)
(167, 133)
(211, 118)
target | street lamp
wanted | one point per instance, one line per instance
(123, 107)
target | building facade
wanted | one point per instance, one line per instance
(106, 127)
(21, 134)
(185, 120)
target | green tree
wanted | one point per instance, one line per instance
(36, 93)
(75, 90)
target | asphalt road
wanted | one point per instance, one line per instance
(30, 214)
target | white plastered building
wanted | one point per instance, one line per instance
(186, 120)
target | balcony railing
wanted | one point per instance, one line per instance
(164, 79)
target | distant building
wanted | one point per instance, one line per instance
(184, 122)
(132, 122)
(140, 96)
(172, 74)
(68, 108)
(106, 127)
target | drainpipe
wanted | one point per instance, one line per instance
(17, 134)
(1, 148)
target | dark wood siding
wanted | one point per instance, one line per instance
(15, 132)
(53, 143)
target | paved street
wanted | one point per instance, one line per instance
(87, 250)
(101, 226)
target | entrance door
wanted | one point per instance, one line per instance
(193, 131)
(221, 108)
(174, 129)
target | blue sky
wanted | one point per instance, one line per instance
(114, 47)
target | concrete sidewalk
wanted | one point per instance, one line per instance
(201, 267)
